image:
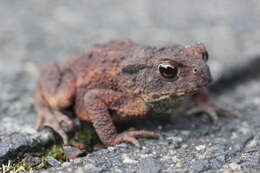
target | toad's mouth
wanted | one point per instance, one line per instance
(154, 97)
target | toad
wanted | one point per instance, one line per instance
(121, 80)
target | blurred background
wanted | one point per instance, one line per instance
(37, 30)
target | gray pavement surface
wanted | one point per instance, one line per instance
(35, 31)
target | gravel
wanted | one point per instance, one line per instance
(150, 165)
(33, 32)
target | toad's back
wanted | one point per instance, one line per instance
(99, 66)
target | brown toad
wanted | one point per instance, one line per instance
(122, 80)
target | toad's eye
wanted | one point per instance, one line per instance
(168, 70)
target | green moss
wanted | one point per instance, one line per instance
(57, 152)
(86, 135)
(22, 166)
(84, 138)
(43, 165)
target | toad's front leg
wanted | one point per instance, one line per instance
(98, 104)
(204, 105)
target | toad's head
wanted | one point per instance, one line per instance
(173, 71)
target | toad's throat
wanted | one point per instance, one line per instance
(155, 97)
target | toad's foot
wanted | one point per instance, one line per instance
(204, 105)
(212, 111)
(54, 120)
(130, 136)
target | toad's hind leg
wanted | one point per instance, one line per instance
(55, 91)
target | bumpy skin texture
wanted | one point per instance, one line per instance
(121, 80)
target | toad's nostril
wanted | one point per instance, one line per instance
(207, 79)
(210, 79)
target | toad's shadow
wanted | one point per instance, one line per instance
(199, 124)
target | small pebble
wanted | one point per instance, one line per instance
(32, 160)
(236, 161)
(65, 164)
(184, 146)
(111, 149)
(221, 157)
(200, 165)
(53, 162)
(216, 164)
(73, 152)
(200, 147)
(122, 145)
(128, 160)
(235, 166)
(179, 165)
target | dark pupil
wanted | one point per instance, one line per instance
(168, 71)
